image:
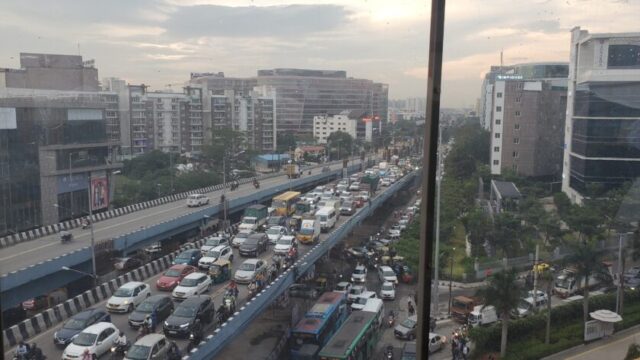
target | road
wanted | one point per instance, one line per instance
(45, 339)
(32, 252)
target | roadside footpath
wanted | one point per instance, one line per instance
(611, 347)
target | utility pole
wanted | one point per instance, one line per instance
(620, 292)
(450, 278)
(71, 186)
(224, 189)
(93, 239)
(171, 170)
(535, 278)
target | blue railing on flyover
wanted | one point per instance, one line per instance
(136, 239)
(251, 310)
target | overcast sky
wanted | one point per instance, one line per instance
(159, 42)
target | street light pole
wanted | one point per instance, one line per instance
(93, 239)
(450, 278)
(224, 190)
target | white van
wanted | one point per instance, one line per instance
(197, 200)
(327, 217)
(375, 305)
(525, 306)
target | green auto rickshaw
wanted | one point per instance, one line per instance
(220, 271)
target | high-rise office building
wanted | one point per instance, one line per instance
(527, 118)
(603, 112)
(58, 150)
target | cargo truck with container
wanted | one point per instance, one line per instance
(567, 283)
(255, 216)
(462, 306)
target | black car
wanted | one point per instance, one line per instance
(254, 245)
(162, 305)
(303, 291)
(77, 323)
(189, 316)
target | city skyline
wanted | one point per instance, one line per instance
(161, 42)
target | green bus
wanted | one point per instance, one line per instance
(356, 339)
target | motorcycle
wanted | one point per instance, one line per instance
(388, 352)
(65, 237)
(194, 340)
(253, 290)
(118, 350)
(85, 224)
(391, 319)
(256, 184)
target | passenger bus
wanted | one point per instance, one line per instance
(318, 325)
(285, 203)
(357, 337)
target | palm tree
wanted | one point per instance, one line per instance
(587, 263)
(546, 277)
(503, 292)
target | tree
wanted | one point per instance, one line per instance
(546, 278)
(503, 292)
(339, 143)
(585, 221)
(225, 142)
(479, 227)
(587, 262)
(633, 352)
(507, 232)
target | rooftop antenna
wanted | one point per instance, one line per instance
(501, 63)
(79, 48)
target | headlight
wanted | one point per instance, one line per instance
(125, 302)
(55, 335)
(184, 326)
(166, 323)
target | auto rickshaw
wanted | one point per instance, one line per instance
(220, 271)
(321, 283)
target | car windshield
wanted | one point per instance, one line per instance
(138, 352)
(355, 291)
(273, 231)
(185, 311)
(359, 271)
(388, 273)
(284, 242)
(213, 242)
(213, 254)
(172, 273)
(247, 267)
(242, 235)
(409, 323)
(85, 339)
(387, 287)
(362, 300)
(563, 283)
(523, 304)
(249, 220)
(145, 307)
(323, 218)
(251, 241)
(185, 255)
(274, 220)
(187, 282)
(123, 292)
(75, 324)
(342, 287)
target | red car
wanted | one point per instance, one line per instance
(173, 275)
(359, 201)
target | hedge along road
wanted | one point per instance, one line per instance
(45, 339)
(32, 252)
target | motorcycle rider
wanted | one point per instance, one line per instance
(86, 355)
(256, 184)
(252, 287)
(121, 340)
(174, 351)
(36, 352)
(233, 288)
(22, 351)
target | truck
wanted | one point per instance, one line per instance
(292, 171)
(309, 231)
(462, 306)
(254, 217)
(567, 284)
(304, 210)
(369, 183)
(482, 315)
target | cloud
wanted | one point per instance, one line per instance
(252, 21)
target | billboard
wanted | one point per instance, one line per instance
(99, 193)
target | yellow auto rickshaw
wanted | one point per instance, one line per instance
(220, 271)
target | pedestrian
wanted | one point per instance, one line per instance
(465, 351)
(411, 309)
(454, 347)
(154, 320)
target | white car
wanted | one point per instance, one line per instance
(359, 274)
(386, 274)
(388, 291)
(97, 338)
(213, 241)
(247, 272)
(394, 232)
(364, 195)
(284, 244)
(403, 224)
(223, 252)
(385, 182)
(362, 299)
(355, 186)
(274, 233)
(343, 287)
(195, 200)
(193, 284)
(128, 296)
(354, 292)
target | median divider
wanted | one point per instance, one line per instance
(57, 314)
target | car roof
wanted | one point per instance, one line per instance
(98, 327)
(360, 267)
(86, 314)
(219, 247)
(287, 237)
(179, 266)
(131, 285)
(156, 297)
(190, 251)
(432, 335)
(150, 339)
(251, 261)
(387, 283)
(194, 300)
(385, 267)
(195, 275)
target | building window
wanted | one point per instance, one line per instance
(516, 154)
(516, 140)
(516, 126)
(497, 135)
(517, 113)
(496, 149)
(496, 162)
(498, 121)
(499, 95)
(517, 99)
(498, 108)
(515, 167)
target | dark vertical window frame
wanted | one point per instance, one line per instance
(429, 162)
